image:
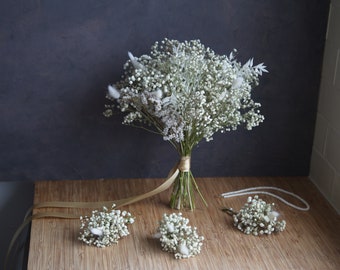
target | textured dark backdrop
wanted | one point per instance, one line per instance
(57, 57)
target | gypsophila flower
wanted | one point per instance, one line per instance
(177, 237)
(258, 217)
(104, 228)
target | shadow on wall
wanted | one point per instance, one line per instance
(15, 199)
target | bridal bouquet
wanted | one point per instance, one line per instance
(186, 92)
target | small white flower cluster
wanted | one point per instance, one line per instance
(177, 237)
(104, 228)
(187, 92)
(257, 217)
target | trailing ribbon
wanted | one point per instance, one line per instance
(118, 203)
(183, 165)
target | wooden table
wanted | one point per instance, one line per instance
(311, 239)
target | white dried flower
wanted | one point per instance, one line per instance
(177, 237)
(134, 62)
(273, 215)
(97, 231)
(183, 249)
(113, 92)
(104, 228)
(237, 83)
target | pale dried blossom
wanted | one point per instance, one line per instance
(104, 228)
(113, 92)
(258, 218)
(177, 237)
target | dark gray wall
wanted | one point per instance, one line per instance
(57, 57)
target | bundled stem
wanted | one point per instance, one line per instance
(183, 193)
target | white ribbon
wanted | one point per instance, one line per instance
(259, 190)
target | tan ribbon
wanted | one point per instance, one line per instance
(118, 203)
(183, 165)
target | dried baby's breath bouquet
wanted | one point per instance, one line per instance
(186, 92)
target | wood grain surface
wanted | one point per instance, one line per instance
(311, 239)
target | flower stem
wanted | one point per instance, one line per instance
(183, 195)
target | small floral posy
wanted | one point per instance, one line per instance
(258, 217)
(186, 92)
(105, 228)
(177, 237)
